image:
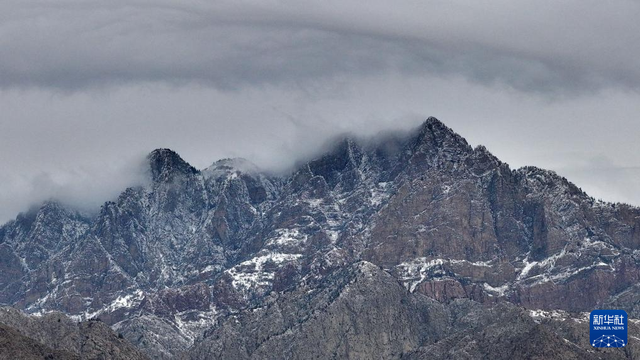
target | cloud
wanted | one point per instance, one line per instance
(603, 178)
(84, 187)
(88, 88)
(541, 46)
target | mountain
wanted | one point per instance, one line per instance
(388, 238)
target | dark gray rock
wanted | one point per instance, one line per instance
(56, 336)
(15, 346)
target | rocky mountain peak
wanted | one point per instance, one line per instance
(230, 166)
(434, 129)
(164, 163)
(339, 164)
(483, 160)
(27, 218)
(547, 181)
(434, 137)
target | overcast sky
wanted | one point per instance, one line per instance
(88, 88)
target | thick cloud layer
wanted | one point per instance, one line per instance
(87, 88)
(532, 45)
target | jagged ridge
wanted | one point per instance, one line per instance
(448, 221)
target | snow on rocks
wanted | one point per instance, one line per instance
(287, 237)
(416, 271)
(254, 273)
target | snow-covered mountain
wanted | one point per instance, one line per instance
(196, 260)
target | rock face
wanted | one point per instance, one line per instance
(55, 336)
(507, 332)
(295, 324)
(362, 312)
(14, 345)
(368, 250)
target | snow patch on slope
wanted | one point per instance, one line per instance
(287, 237)
(251, 274)
(124, 301)
(230, 168)
(414, 272)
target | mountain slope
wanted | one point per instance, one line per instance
(55, 336)
(14, 345)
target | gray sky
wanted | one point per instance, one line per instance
(87, 88)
